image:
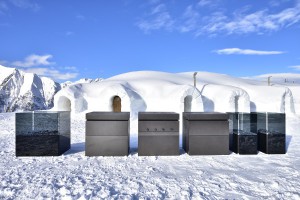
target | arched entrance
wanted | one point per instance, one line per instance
(64, 104)
(188, 103)
(116, 104)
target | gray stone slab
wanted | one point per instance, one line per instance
(203, 116)
(107, 128)
(107, 146)
(149, 145)
(158, 116)
(208, 145)
(208, 127)
(107, 116)
(158, 126)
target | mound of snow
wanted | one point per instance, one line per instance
(168, 92)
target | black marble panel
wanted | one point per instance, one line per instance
(244, 142)
(271, 142)
(42, 133)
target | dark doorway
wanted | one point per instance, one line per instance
(117, 104)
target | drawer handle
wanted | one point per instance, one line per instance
(163, 129)
(155, 129)
(147, 129)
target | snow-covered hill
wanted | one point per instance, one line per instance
(25, 91)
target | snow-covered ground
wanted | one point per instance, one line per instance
(74, 176)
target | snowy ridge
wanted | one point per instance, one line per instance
(25, 91)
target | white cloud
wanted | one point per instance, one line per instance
(69, 33)
(191, 18)
(80, 17)
(229, 51)
(25, 4)
(52, 73)
(33, 60)
(34, 63)
(296, 67)
(3, 7)
(259, 22)
(239, 21)
(210, 3)
(71, 68)
(159, 18)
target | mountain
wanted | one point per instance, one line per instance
(83, 80)
(20, 91)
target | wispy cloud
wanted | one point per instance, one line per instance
(3, 7)
(239, 21)
(158, 18)
(34, 60)
(73, 68)
(296, 67)
(204, 2)
(191, 18)
(52, 73)
(25, 4)
(230, 51)
(40, 65)
(80, 17)
(208, 3)
(69, 33)
(7, 5)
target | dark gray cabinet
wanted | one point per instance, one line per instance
(205, 133)
(42, 133)
(158, 133)
(107, 134)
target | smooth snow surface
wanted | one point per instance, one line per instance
(74, 176)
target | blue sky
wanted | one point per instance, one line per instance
(72, 39)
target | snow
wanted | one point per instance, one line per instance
(75, 176)
(161, 91)
(25, 91)
(5, 72)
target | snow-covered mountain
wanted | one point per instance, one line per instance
(25, 91)
(83, 80)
